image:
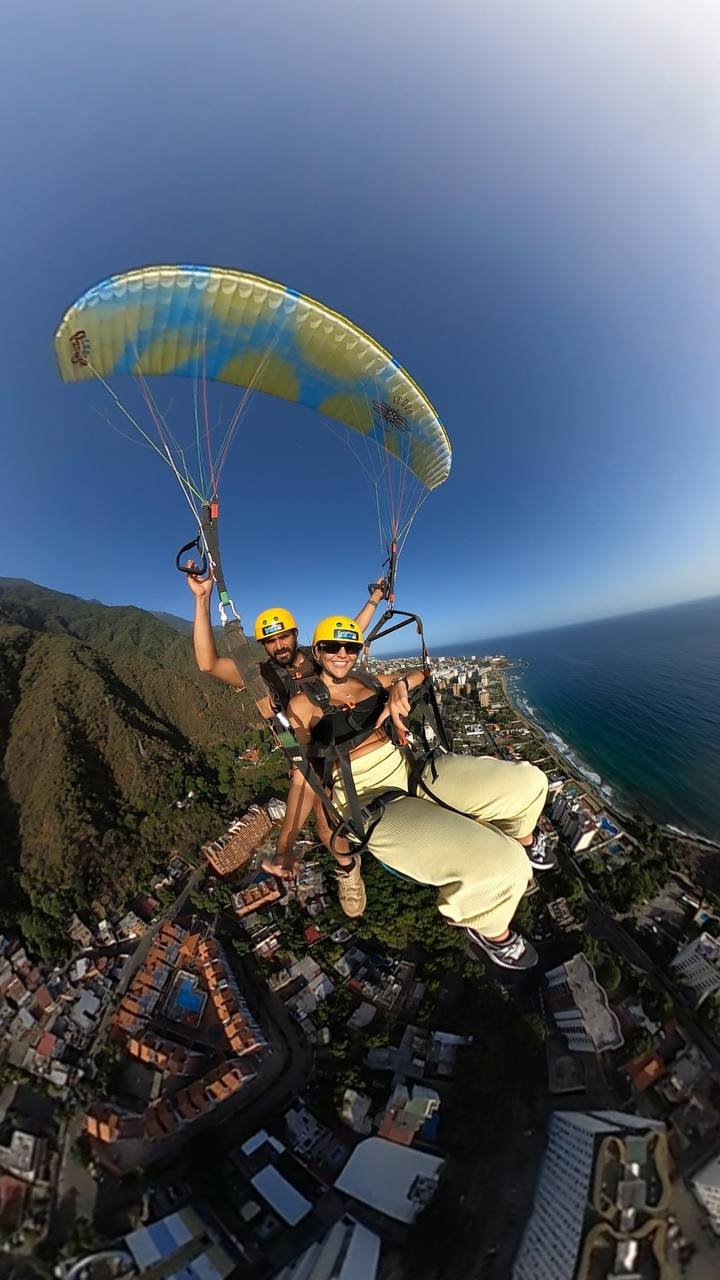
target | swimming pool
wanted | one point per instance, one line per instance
(187, 996)
(186, 1000)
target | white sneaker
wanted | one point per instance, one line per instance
(514, 952)
(540, 855)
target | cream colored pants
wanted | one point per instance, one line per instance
(481, 872)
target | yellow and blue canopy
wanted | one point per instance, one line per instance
(238, 328)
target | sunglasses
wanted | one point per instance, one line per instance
(334, 646)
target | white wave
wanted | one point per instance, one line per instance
(565, 750)
(689, 835)
(574, 759)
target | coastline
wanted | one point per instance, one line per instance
(602, 794)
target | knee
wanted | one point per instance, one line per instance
(535, 781)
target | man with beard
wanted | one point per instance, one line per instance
(287, 663)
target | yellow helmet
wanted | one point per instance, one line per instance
(272, 621)
(338, 627)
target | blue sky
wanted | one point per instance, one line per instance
(520, 201)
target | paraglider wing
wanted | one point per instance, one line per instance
(233, 327)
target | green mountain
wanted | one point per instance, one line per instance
(105, 723)
(183, 625)
(117, 629)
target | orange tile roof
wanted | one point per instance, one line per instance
(238, 849)
(165, 1112)
(395, 1133)
(190, 944)
(189, 1109)
(102, 1122)
(645, 1071)
(153, 1128)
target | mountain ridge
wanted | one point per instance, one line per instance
(100, 735)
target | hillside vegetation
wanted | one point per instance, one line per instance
(118, 629)
(105, 723)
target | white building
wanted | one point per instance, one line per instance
(396, 1180)
(284, 1199)
(355, 1111)
(578, 826)
(698, 967)
(348, 1252)
(580, 1008)
(600, 1200)
(706, 1185)
(182, 1244)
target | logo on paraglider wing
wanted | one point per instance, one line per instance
(80, 344)
(390, 416)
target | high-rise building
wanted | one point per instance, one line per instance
(698, 967)
(234, 850)
(580, 1007)
(706, 1185)
(576, 824)
(600, 1201)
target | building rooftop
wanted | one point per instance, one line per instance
(347, 1252)
(588, 996)
(13, 1195)
(283, 1198)
(258, 1140)
(396, 1180)
(155, 1244)
(234, 849)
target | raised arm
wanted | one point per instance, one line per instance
(206, 654)
(365, 616)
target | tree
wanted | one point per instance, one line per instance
(609, 975)
(591, 949)
(637, 1042)
(82, 1239)
(710, 1015)
(657, 1004)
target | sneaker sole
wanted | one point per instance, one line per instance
(352, 912)
(505, 964)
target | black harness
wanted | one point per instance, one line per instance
(341, 729)
(284, 682)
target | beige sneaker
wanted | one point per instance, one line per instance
(351, 889)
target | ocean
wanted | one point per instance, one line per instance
(634, 703)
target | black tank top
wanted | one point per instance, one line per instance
(347, 727)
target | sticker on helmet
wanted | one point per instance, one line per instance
(271, 628)
(342, 633)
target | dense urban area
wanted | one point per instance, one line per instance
(228, 1076)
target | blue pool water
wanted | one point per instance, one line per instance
(187, 997)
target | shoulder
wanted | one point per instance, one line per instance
(303, 711)
(310, 666)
